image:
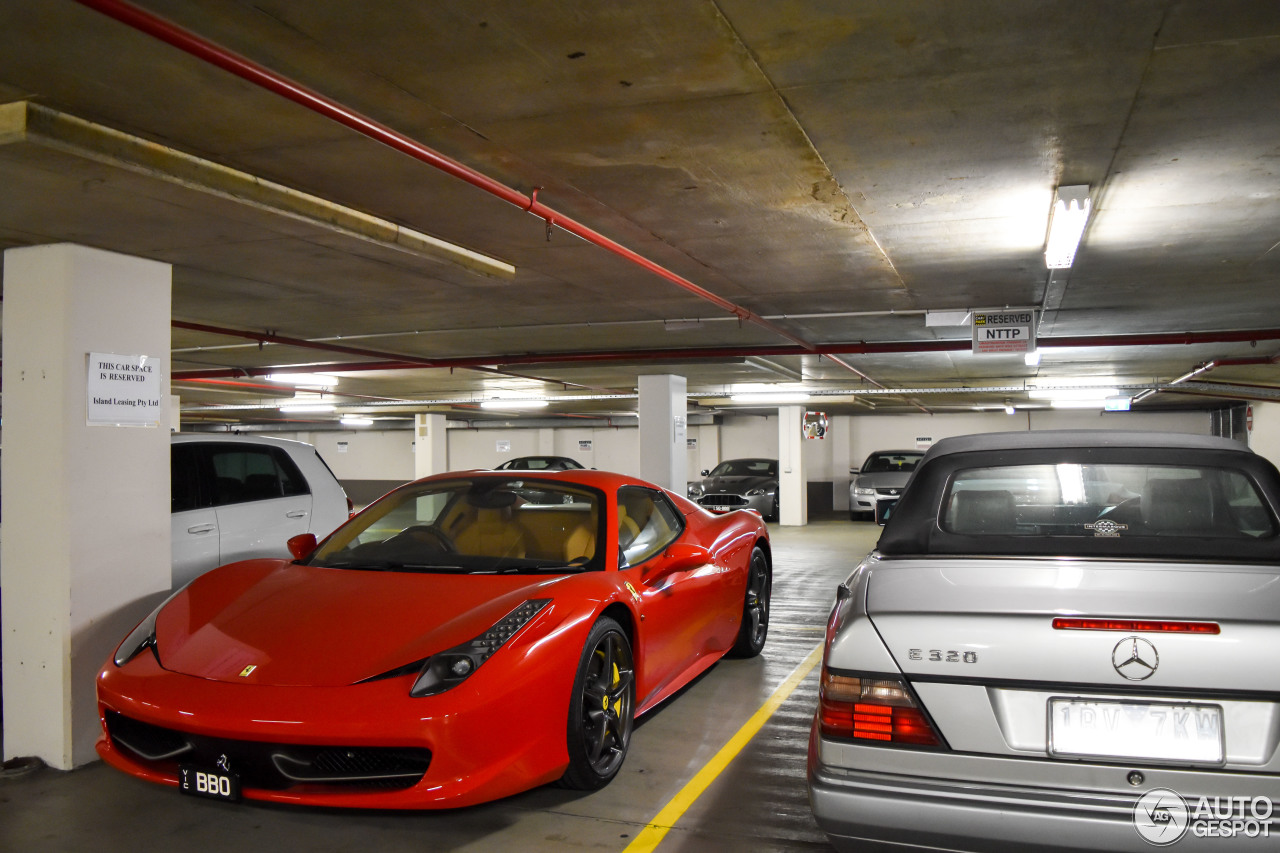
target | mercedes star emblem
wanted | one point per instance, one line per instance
(1135, 658)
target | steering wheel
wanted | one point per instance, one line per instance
(428, 534)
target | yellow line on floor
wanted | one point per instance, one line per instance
(665, 820)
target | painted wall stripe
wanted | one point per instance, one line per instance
(665, 820)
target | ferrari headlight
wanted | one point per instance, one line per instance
(141, 637)
(451, 667)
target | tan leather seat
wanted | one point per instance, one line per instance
(580, 544)
(492, 534)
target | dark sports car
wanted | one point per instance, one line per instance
(540, 463)
(739, 484)
(466, 637)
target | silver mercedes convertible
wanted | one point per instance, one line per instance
(1063, 641)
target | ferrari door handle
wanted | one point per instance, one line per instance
(201, 528)
(297, 513)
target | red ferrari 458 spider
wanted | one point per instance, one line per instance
(466, 637)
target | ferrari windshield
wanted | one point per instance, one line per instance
(480, 525)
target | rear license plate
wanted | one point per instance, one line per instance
(1080, 728)
(206, 782)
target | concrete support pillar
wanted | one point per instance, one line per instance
(841, 460)
(85, 552)
(430, 445)
(663, 410)
(793, 496)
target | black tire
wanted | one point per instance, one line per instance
(601, 709)
(755, 608)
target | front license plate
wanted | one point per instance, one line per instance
(1081, 728)
(206, 782)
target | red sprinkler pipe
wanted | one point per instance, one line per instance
(246, 69)
(392, 362)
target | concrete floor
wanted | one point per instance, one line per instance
(758, 803)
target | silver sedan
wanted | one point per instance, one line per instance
(1064, 641)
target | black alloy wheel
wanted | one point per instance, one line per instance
(755, 608)
(602, 708)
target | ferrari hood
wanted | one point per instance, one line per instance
(276, 623)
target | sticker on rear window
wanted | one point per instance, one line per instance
(1106, 528)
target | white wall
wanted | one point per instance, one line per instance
(901, 432)
(478, 448)
(365, 454)
(388, 454)
(1265, 438)
(707, 452)
(749, 436)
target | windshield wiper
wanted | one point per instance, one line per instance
(533, 570)
(386, 566)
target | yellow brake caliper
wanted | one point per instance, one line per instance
(617, 679)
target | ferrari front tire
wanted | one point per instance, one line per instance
(601, 709)
(755, 608)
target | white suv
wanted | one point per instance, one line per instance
(236, 497)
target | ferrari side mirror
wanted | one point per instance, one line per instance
(683, 556)
(301, 545)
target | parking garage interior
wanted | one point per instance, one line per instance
(649, 237)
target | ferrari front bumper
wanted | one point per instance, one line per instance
(485, 739)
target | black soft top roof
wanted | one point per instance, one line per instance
(914, 527)
(1081, 438)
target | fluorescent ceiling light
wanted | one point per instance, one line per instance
(355, 420)
(1066, 226)
(1080, 403)
(1008, 408)
(761, 397)
(1055, 394)
(306, 380)
(514, 403)
(947, 318)
(1118, 404)
(307, 407)
(1031, 358)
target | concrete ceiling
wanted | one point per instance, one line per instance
(831, 170)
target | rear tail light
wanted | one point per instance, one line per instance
(872, 709)
(1135, 625)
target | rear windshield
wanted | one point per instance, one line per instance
(1105, 501)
